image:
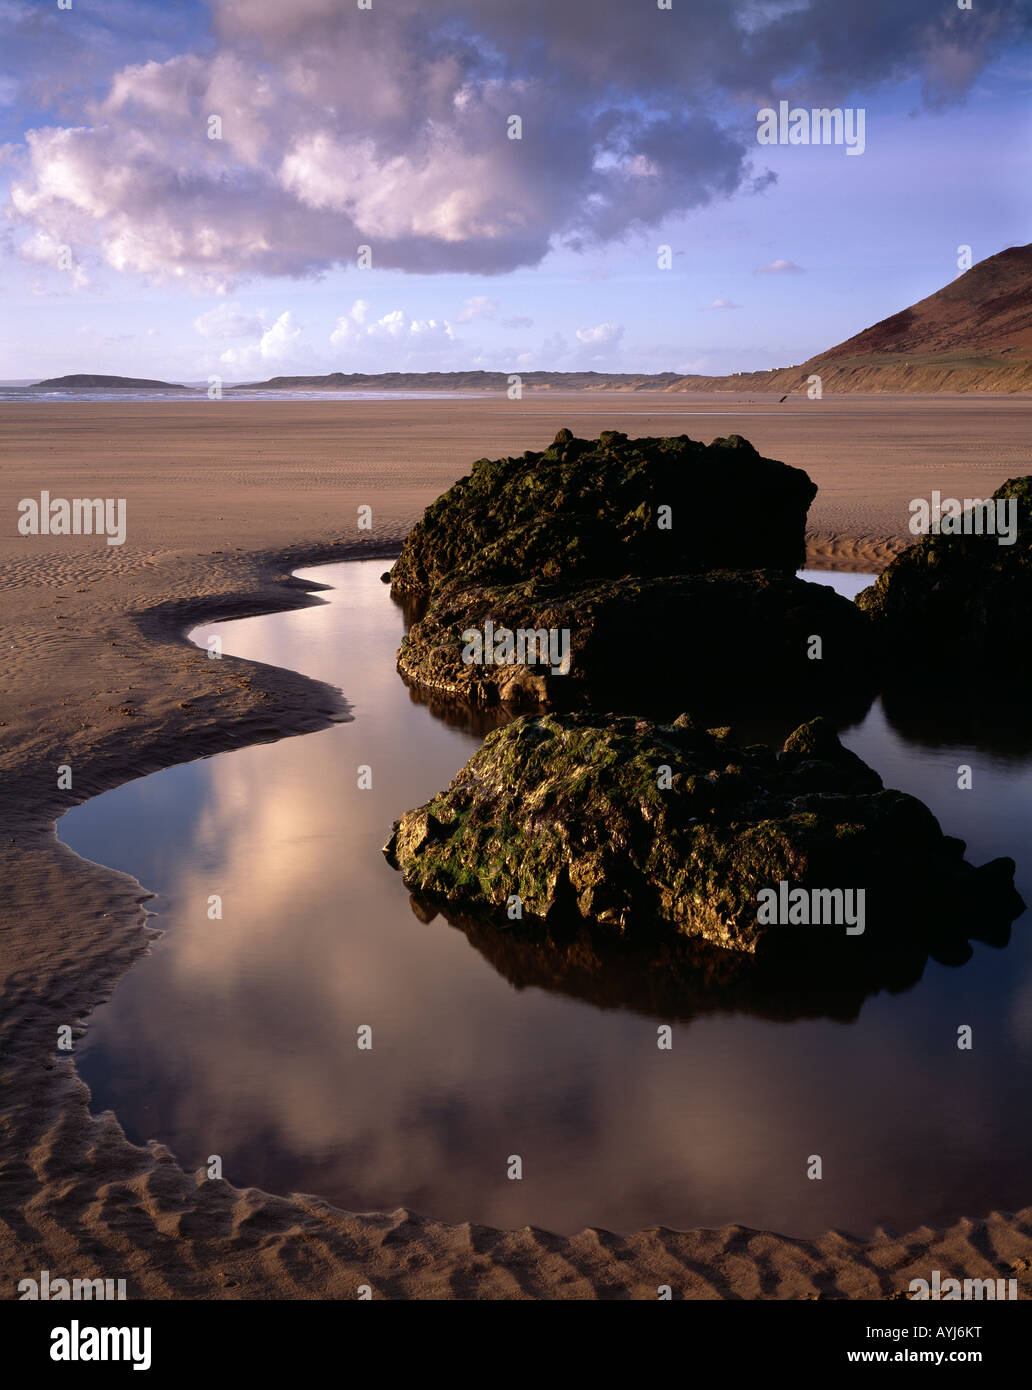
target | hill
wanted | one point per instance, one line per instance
(975, 334)
(87, 382)
(465, 381)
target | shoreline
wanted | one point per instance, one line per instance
(89, 1201)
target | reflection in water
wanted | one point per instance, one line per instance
(936, 714)
(238, 1036)
(685, 979)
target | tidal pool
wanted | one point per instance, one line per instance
(238, 1037)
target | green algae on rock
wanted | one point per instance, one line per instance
(962, 602)
(613, 506)
(643, 829)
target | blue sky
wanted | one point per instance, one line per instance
(132, 243)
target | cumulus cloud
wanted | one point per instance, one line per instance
(279, 347)
(343, 127)
(601, 334)
(44, 251)
(228, 321)
(780, 267)
(355, 330)
(721, 304)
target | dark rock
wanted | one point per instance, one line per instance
(961, 603)
(585, 509)
(818, 762)
(657, 644)
(575, 815)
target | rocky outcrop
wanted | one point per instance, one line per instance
(606, 508)
(648, 575)
(645, 830)
(962, 602)
(654, 645)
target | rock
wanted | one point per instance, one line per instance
(584, 509)
(658, 644)
(961, 603)
(419, 831)
(819, 762)
(645, 831)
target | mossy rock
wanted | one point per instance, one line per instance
(644, 830)
(584, 509)
(656, 644)
(961, 604)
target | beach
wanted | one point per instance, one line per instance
(224, 499)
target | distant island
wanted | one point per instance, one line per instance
(88, 382)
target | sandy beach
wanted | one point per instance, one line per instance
(223, 500)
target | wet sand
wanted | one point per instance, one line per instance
(223, 500)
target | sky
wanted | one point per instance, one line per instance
(185, 187)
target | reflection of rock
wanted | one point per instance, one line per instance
(932, 711)
(587, 509)
(651, 831)
(681, 979)
(478, 720)
(658, 644)
(962, 602)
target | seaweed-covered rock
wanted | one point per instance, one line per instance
(656, 644)
(962, 602)
(614, 506)
(645, 829)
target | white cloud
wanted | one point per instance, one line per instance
(43, 250)
(353, 329)
(602, 334)
(721, 304)
(431, 328)
(278, 347)
(779, 268)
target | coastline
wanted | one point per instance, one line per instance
(79, 1198)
